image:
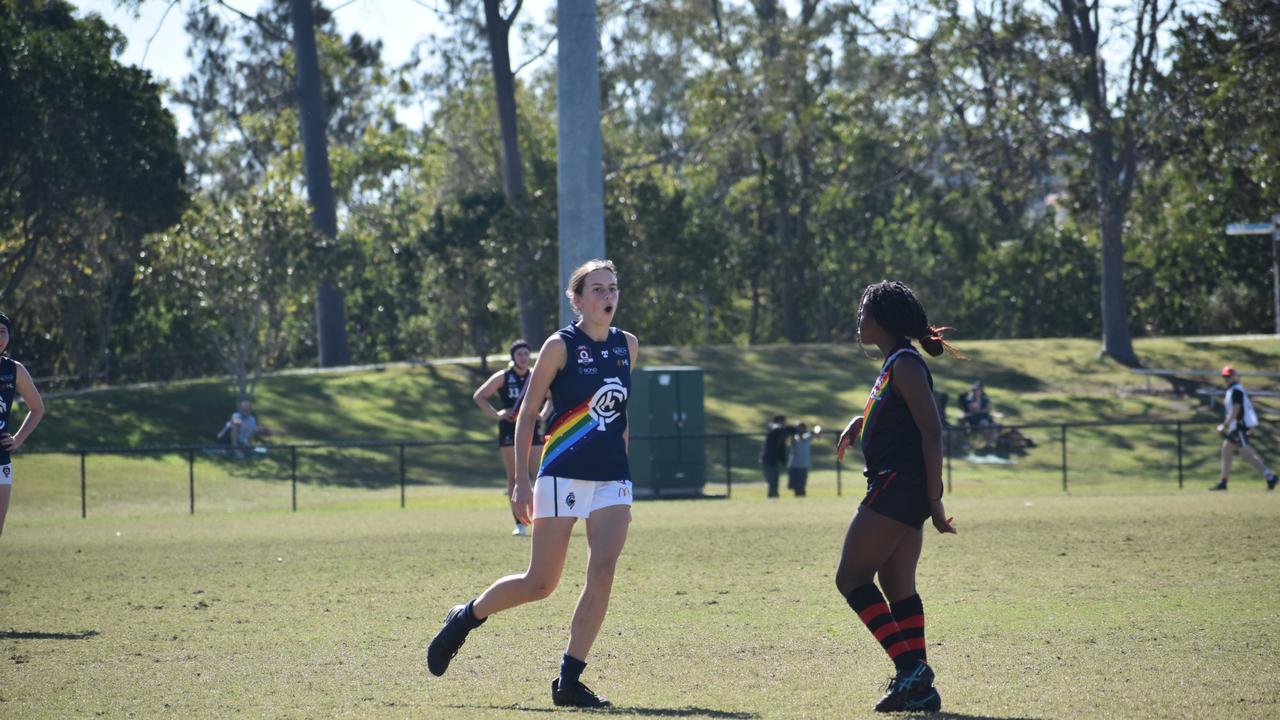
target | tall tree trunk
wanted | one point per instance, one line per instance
(331, 321)
(498, 32)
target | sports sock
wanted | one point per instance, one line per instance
(570, 670)
(909, 614)
(469, 617)
(867, 601)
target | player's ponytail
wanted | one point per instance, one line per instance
(895, 307)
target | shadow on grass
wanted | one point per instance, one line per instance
(687, 711)
(37, 635)
(966, 716)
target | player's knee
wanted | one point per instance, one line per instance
(847, 580)
(539, 587)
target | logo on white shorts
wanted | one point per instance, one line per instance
(8, 471)
(606, 404)
(570, 500)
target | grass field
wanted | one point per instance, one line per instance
(1150, 605)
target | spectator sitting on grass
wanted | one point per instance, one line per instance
(240, 430)
(976, 406)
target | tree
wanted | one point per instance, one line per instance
(331, 323)
(1117, 118)
(89, 164)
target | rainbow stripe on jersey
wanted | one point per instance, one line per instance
(871, 412)
(575, 429)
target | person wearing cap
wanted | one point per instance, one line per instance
(14, 378)
(1240, 419)
(976, 406)
(508, 385)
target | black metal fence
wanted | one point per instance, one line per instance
(1084, 453)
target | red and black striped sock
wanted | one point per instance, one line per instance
(867, 601)
(909, 614)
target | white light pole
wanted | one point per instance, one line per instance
(1273, 229)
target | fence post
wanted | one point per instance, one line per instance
(946, 429)
(83, 509)
(1179, 454)
(293, 474)
(191, 478)
(728, 467)
(1064, 458)
(401, 475)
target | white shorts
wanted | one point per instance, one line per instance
(566, 497)
(6, 474)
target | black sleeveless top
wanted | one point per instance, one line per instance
(511, 393)
(890, 437)
(8, 384)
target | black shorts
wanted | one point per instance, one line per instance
(899, 495)
(507, 434)
(1239, 436)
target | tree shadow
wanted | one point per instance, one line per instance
(37, 635)
(687, 711)
(966, 716)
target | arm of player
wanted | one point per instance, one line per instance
(910, 379)
(35, 410)
(847, 436)
(550, 361)
(633, 349)
(484, 392)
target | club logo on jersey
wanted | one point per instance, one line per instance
(584, 354)
(569, 500)
(604, 353)
(606, 405)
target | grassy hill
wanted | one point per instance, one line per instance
(1028, 380)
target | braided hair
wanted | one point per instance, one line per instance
(896, 309)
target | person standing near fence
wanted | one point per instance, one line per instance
(900, 435)
(508, 385)
(800, 459)
(584, 473)
(1240, 419)
(14, 378)
(774, 453)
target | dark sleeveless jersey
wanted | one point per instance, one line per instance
(585, 435)
(8, 383)
(890, 437)
(511, 395)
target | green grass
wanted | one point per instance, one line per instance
(1141, 605)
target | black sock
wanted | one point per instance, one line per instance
(469, 617)
(570, 670)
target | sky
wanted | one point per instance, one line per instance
(157, 41)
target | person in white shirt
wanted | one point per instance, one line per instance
(1240, 419)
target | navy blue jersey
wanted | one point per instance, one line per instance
(890, 437)
(511, 393)
(8, 383)
(585, 435)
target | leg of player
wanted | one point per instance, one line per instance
(546, 563)
(509, 464)
(898, 578)
(6, 489)
(869, 544)
(606, 535)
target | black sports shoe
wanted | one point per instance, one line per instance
(906, 685)
(1271, 481)
(446, 642)
(578, 695)
(1222, 485)
(927, 700)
